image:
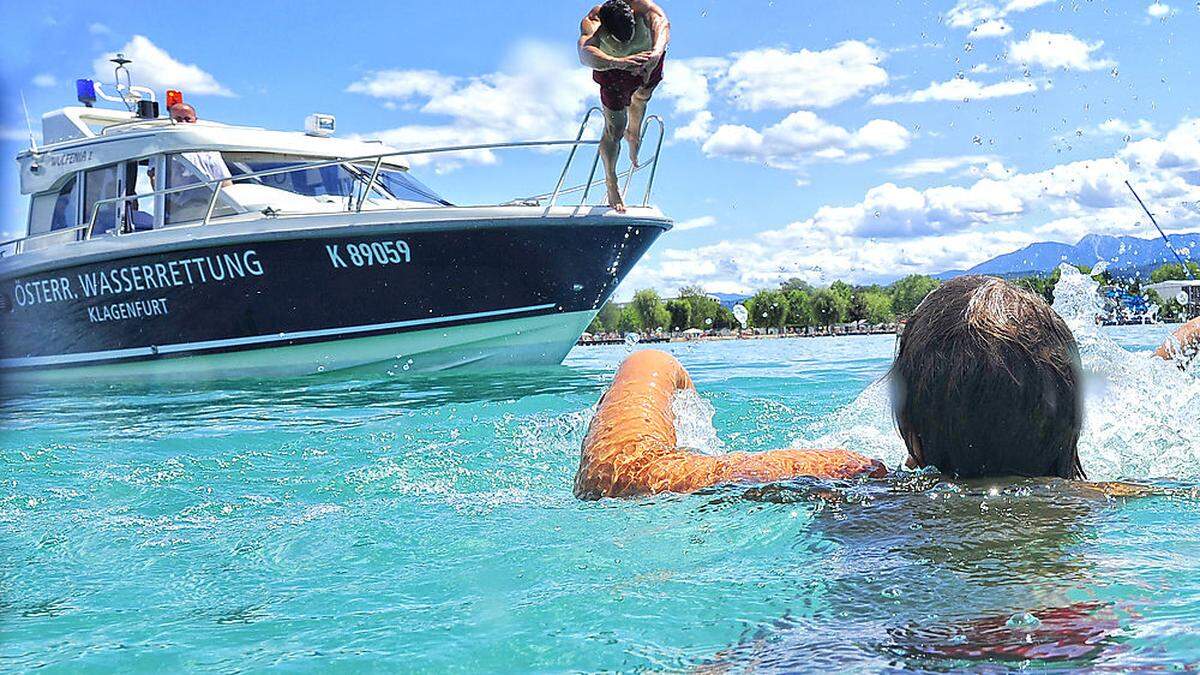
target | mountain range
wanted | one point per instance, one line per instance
(1126, 256)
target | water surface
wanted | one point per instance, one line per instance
(428, 524)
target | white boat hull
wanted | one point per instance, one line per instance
(528, 341)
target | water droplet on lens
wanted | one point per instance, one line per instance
(1023, 620)
(1181, 297)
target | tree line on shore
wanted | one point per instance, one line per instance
(796, 304)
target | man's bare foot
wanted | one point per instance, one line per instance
(635, 143)
(614, 199)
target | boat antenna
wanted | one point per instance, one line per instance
(1186, 270)
(120, 60)
(28, 123)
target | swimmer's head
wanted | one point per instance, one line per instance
(988, 383)
(616, 17)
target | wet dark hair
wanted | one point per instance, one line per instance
(616, 17)
(988, 383)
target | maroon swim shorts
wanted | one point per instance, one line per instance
(617, 86)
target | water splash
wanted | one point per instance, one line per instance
(694, 423)
(1142, 412)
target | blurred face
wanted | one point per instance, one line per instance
(183, 113)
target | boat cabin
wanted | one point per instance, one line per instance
(103, 171)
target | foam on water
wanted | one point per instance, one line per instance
(1141, 421)
(694, 427)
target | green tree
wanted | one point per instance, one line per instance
(910, 291)
(606, 319)
(630, 321)
(768, 309)
(681, 314)
(800, 308)
(826, 307)
(795, 284)
(651, 312)
(1173, 272)
(706, 311)
(877, 306)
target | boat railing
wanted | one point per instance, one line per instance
(84, 232)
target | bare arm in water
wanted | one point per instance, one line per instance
(630, 448)
(1185, 342)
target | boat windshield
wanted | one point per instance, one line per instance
(337, 180)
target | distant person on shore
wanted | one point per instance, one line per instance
(988, 383)
(623, 42)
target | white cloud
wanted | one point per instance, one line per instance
(1119, 127)
(894, 230)
(803, 137)
(942, 165)
(686, 81)
(45, 80)
(1056, 50)
(1158, 10)
(154, 67)
(777, 78)
(402, 84)
(540, 92)
(1024, 5)
(974, 13)
(695, 223)
(98, 29)
(959, 89)
(699, 129)
(991, 29)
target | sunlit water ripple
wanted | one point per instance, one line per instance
(428, 524)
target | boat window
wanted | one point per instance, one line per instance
(335, 180)
(140, 213)
(194, 167)
(338, 180)
(402, 185)
(100, 184)
(66, 207)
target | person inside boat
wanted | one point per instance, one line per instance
(208, 162)
(624, 43)
(987, 383)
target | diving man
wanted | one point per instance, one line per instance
(623, 42)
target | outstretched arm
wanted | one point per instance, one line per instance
(1185, 342)
(590, 54)
(630, 448)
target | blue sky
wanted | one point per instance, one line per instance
(860, 141)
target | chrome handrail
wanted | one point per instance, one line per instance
(19, 245)
(218, 183)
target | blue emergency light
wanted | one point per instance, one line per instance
(85, 91)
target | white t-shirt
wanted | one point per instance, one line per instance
(209, 163)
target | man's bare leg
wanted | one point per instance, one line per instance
(637, 112)
(610, 150)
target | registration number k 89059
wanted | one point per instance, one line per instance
(368, 254)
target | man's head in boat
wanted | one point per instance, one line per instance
(616, 17)
(182, 112)
(988, 383)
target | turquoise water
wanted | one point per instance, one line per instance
(428, 524)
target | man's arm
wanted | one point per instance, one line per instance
(630, 449)
(656, 20)
(590, 54)
(1185, 342)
